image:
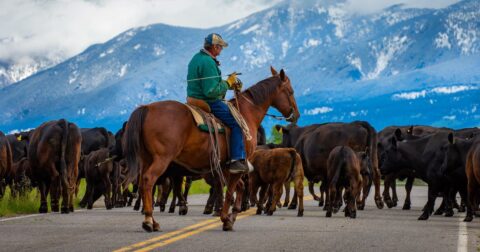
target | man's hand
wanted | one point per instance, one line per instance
(232, 79)
(238, 85)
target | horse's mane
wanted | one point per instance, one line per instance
(263, 89)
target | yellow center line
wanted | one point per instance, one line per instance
(185, 232)
(167, 235)
(193, 232)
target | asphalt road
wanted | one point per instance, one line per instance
(120, 229)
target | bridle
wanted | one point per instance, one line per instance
(290, 98)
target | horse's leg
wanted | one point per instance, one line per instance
(218, 196)
(149, 178)
(287, 193)
(229, 219)
(408, 189)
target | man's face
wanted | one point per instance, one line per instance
(217, 49)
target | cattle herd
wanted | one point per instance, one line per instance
(346, 158)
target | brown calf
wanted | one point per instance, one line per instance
(343, 170)
(273, 168)
(98, 169)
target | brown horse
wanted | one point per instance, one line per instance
(164, 132)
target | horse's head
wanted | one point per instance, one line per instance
(284, 101)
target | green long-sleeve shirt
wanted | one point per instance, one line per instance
(203, 65)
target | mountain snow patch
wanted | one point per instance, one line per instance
(442, 41)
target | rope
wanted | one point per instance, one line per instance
(239, 118)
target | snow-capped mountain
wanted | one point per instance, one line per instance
(398, 66)
(12, 72)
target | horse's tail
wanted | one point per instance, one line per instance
(63, 164)
(132, 142)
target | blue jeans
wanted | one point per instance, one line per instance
(221, 111)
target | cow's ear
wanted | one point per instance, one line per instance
(274, 72)
(281, 129)
(283, 77)
(451, 139)
(394, 143)
(398, 134)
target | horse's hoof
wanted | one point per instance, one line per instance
(379, 203)
(147, 226)
(424, 216)
(468, 218)
(292, 207)
(329, 214)
(156, 227)
(300, 213)
(227, 226)
(65, 210)
(406, 207)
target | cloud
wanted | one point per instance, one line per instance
(39, 28)
(60, 29)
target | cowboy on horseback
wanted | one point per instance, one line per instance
(205, 83)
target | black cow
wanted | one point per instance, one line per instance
(315, 142)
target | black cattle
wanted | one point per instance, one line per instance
(400, 133)
(456, 168)
(93, 139)
(53, 153)
(19, 144)
(315, 142)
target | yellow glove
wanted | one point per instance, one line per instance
(231, 80)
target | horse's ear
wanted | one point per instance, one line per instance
(274, 72)
(282, 75)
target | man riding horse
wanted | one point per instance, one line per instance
(205, 84)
